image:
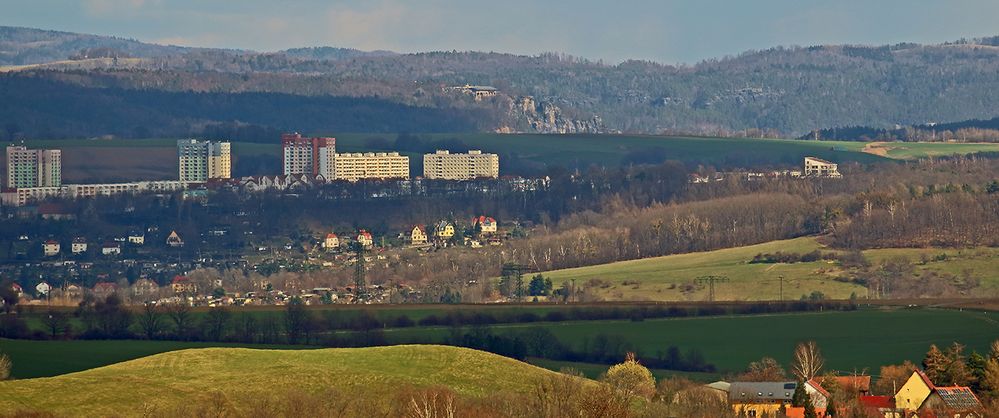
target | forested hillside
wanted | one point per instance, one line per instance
(780, 91)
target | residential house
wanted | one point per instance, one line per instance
(173, 240)
(111, 248)
(331, 242)
(104, 289)
(952, 401)
(365, 239)
(418, 236)
(137, 238)
(913, 392)
(183, 284)
(757, 399)
(485, 224)
(145, 288)
(79, 245)
(50, 248)
(444, 230)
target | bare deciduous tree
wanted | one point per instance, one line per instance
(808, 361)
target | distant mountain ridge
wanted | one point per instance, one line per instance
(781, 91)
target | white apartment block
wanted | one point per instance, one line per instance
(369, 165)
(200, 161)
(33, 168)
(447, 166)
(817, 167)
(22, 196)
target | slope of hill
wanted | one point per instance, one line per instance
(170, 379)
(782, 90)
(672, 277)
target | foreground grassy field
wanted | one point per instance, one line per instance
(857, 340)
(243, 376)
(668, 278)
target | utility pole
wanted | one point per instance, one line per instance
(710, 281)
(781, 277)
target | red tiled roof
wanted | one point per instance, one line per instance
(330, 235)
(818, 387)
(926, 379)
(180, 279)
(877, 401)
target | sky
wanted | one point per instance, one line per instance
(668, 31)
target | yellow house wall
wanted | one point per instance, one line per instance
(760, 408)
(912, 394)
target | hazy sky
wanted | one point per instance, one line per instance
(671, 31)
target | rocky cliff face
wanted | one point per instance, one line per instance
(530, 115)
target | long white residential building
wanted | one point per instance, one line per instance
(368, 165)
(24, 195)
(447, 166)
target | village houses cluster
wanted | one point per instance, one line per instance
(916, 397)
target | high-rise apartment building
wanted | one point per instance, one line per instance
(33, 168)
(200, 161)
(306, 155)
(473, 165)
(369, 165)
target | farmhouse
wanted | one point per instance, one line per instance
(918, 394)
(817, 167)
(757, 399)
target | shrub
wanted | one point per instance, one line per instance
(631, 377)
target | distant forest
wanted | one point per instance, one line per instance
(782, 91)
(43, 108)
(974, 130)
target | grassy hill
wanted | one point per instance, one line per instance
(668, 278)
(242, 375)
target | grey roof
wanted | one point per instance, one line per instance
(719, 385)
(761, 391)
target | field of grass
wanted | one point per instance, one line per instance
(855, 340)
(245, 375)
(51, 358)
(910, 150)
(664, 278)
